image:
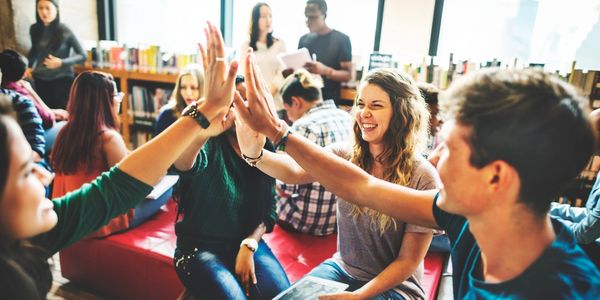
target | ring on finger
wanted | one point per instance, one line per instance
(219, 58)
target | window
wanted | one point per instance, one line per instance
(174, 26)
(356, 18)
(551, 32)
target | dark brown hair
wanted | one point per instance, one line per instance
(529, 119)
(90, 110)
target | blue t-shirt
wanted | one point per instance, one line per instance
(563, 271)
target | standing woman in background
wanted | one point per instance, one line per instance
(50, 56)
(266, 48)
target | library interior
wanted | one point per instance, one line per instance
(299, 149)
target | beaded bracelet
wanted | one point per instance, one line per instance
(281, 143)
(252, 161)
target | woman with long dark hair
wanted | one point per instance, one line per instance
(50, 56)
(33, 228)
(266, 48)
(90, 143)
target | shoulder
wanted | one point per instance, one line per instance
(279, 44)
(424, 175)
(340, 35)
(110, 136)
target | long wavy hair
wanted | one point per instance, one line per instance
(60, 30)
(24, 270)
(254, 31)
(91, 110)
(177, 103)
(405, 138)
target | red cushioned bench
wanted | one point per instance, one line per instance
(137, 264)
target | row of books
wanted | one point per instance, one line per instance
(145, 103)
(589, 83)
(148, 59)
(442, 75)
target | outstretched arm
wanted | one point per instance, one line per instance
(277, 165)
(337, 175)
(178, 137)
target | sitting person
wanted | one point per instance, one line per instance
(89, 144)
(310, 208)
(378, 256)
(33, 228)
(30, 122)
(584, 221)
(13, 67)
(508, 150)
(227, 206)
(188, 88)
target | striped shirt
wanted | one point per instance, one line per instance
(309, 208)
(29, 120)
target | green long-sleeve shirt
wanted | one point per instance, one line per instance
(92, 206)
(220, 193)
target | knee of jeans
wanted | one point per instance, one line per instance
(207, 260)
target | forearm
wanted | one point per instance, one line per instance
(258, 232)
(188, 157)
(354, 185)
(283, 167)
(176, 138)
(393, 275)
(587, 230)
(79, 54)
(338, 75)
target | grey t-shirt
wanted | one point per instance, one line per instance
(363, 252)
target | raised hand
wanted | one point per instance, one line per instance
(221, 123)
(251, 142)
(218, 81)
(259, 112)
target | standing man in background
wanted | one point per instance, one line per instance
(332, 49)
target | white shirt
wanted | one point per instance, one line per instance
(269, 65)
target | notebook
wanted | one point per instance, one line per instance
(309, 287)
(294, 60)
(162, 186)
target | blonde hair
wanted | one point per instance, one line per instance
(301, 84)
(405, 138)
(177, 102)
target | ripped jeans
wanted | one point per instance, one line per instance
(208, 272)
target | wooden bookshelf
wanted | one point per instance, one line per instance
(124, 78)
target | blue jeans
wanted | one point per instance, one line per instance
(330, 270)
(208, 272)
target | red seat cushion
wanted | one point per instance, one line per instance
(138, 263)
(299, 253)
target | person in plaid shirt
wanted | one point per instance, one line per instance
(309, 208)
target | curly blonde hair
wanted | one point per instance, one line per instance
(405, 138)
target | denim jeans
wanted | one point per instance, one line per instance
(208, 272)
(330, 270)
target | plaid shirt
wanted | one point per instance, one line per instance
(309, 208)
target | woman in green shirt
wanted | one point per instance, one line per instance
(32, 228)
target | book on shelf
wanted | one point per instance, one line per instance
(145, 103)
(143, 58)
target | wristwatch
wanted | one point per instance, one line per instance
(252, 244)
(192, 111)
